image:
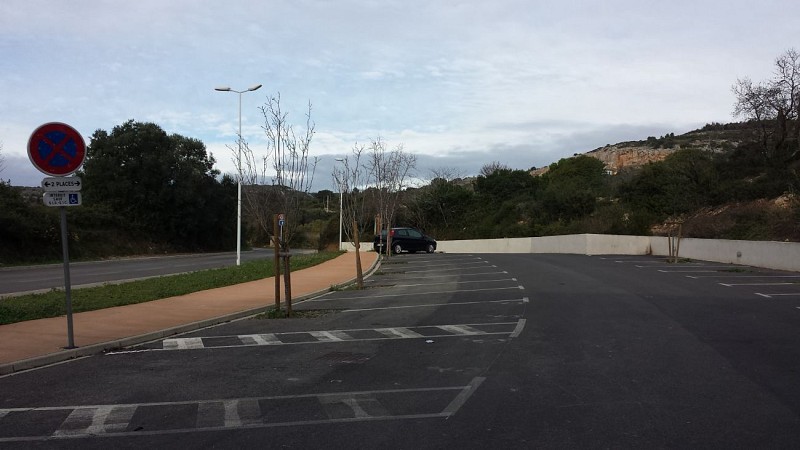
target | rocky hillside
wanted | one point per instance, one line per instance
(713, 138)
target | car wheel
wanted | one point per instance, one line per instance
(430, 248)
(397, 248)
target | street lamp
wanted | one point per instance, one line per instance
(239, 168)
(340, 208)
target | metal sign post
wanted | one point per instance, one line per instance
(58, 149)
(67, 282)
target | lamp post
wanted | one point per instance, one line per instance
(239, 169)
(340, 209)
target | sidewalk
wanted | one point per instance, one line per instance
(35, 343)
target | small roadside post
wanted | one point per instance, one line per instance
(277, 261)
(58, 150)
(287, 272)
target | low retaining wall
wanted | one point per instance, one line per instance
(769, 254)
(351, 247)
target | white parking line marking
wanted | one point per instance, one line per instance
(96, 420)
(640, 262)
(333, 336)
(399, 332)
(453, 275)
(260, 339)
(787, 294)
(763, 295)
(461, 329)
(183, 343)
(415, 294)
(756, 284)
(430, 305)
(250, 413)
(463, 396)
(688, 271)
(330, 336)
(458, 282)
(460, 269)
(693, 265)
(434, 262)
(518, 329)
(743, 276)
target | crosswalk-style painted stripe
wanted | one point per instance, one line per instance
(333, 336)
(97, 420)
(461, 329)
(402, 333)
(330, 336)
(183, 344)
(258, 339)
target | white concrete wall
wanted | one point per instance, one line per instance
(351, 247)
(773, 255)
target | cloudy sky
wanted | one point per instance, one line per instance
(458, 83)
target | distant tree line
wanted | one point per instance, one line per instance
(146, 191)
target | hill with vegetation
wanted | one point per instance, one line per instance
(714, 180)
(149, 192)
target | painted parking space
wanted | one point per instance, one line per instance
(142, 419)
(343, 336)
(417, 301)
(760, 282)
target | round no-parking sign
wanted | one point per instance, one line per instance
(56, 149)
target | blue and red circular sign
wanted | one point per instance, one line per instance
(56, 149)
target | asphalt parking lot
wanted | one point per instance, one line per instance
(449, 350)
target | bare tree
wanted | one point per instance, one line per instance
(390, 171)
(775, 106)
(446, 173)
(291, 173)
(293, 170)
(351, 178)
(492, 167)
(279, 180)
(2, 159)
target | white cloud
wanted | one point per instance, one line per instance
(463, 81)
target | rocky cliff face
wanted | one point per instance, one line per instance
(617, 157)
(635, 154)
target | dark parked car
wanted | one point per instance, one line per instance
(405, 239)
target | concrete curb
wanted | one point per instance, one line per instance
(94, 349)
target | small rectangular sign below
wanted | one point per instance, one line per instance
(61, 184)
(62, 198)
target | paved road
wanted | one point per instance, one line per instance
(455, 351)
(50, 276)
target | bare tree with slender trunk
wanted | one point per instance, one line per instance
(292, 166)
(390, 172)
(278, 180)
(351, 178)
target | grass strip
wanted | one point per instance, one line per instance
(52, 304)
